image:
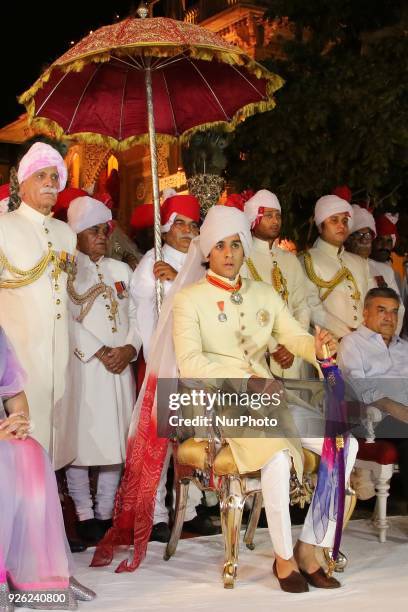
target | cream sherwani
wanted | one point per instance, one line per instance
(209, 348)
(264, 260)
(102, 401)
(341, 311)
(35, 317)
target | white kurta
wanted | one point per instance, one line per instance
(34, 317)
(98, 404)
(264, 259)
(339, 312)
(143, 290)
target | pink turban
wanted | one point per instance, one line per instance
(86, 212)
(262, 199)
(40, 156)
(329, 205)
(362, 218)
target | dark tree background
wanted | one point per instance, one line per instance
(341, 117)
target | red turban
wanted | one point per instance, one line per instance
(236, 201)
(142, 217)
(64, 199)
(4, 191)
(343, 192)
(186, 205)
(386, 225)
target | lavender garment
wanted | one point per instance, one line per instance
(34, 553)
(12, 376)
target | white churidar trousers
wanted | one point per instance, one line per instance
(275, 477)
(79, 490)
(161, 514)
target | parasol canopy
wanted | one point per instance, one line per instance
(96, 90)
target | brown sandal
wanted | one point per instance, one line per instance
(294, 583)
(320, 580)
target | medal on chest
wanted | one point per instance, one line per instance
(121, 290)
(235, 297)
(222, 317)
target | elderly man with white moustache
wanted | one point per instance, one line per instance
(36, 252)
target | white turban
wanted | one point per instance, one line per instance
(86, 212)
(220, 222)
(39, 156)
(329, 205)
(362, 218)
(262, 198)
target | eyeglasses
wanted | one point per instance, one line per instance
(364, 235)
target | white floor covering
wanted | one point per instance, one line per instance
(375, 579)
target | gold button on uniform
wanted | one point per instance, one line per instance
(58, 302)
(50, 244)
(56, 287)
(58, 316)
(47, 231)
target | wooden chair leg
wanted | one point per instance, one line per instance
(182, 486)
(382, 487)
(232, 501)
(253, 520)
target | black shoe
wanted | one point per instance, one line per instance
(203, 510)
(104, 525)
(201, 525)
(160, 533)
(90, 531)
(76, 546)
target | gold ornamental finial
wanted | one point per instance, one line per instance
(142, 10)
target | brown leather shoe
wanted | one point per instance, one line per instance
(321, 580)
(294, 583)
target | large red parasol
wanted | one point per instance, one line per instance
(145, 79)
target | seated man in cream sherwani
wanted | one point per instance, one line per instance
(222, 326)
(101, 392)
(269, 263)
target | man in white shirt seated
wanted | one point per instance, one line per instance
(375, 361)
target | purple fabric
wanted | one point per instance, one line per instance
(12, 376)
(34, 553)
(329, 497)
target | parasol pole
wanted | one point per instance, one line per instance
(155, 175)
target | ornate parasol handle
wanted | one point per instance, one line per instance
(155, 177)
